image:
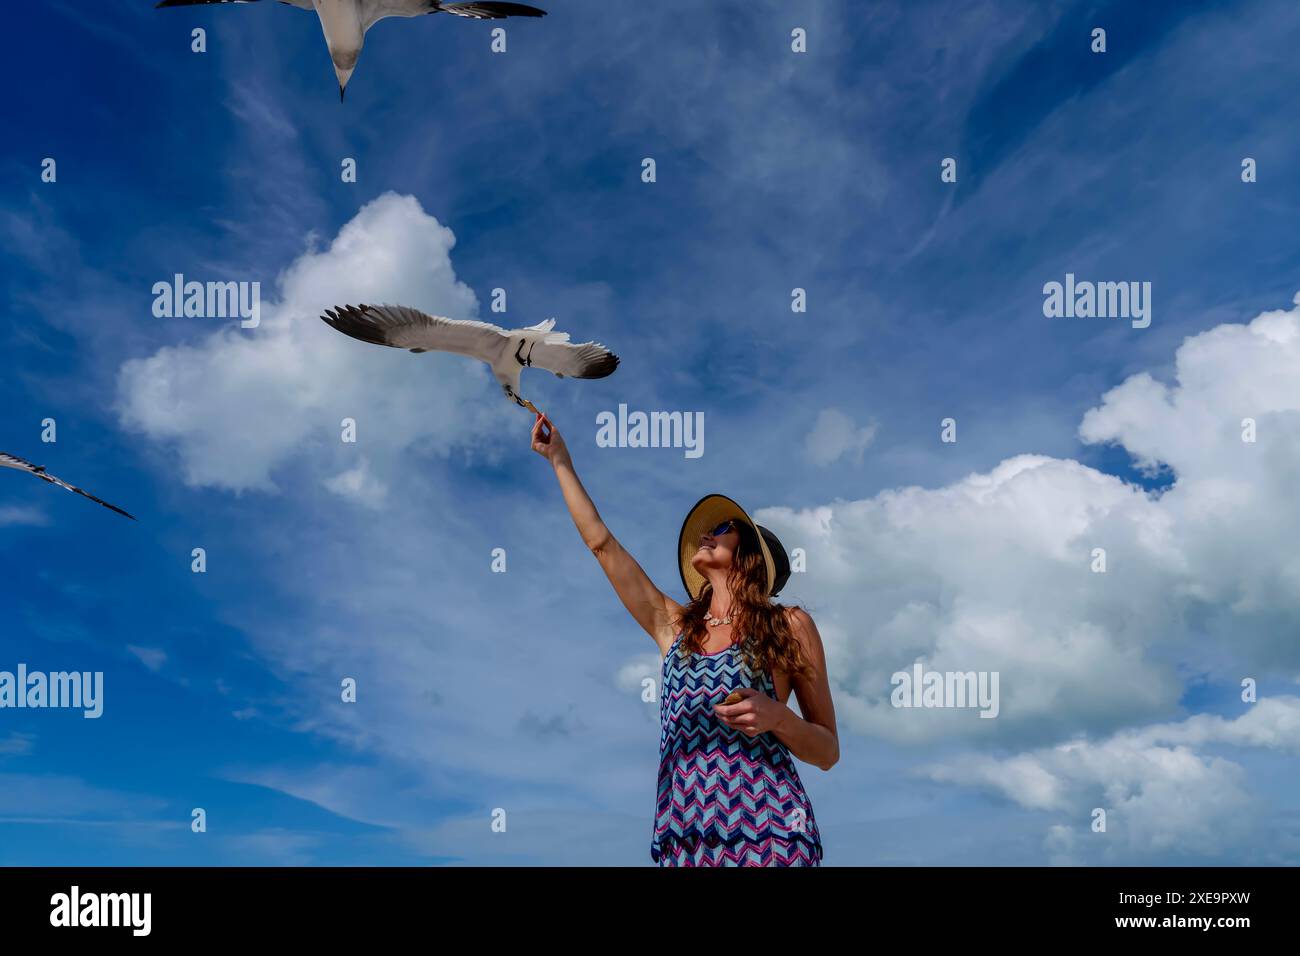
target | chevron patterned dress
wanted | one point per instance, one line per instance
(724, 798)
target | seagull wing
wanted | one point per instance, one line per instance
(22, 464)
(402, 328)
(300, 4)
(490, 10)
(194, 3)
(565, 359)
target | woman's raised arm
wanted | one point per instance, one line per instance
(655, 611)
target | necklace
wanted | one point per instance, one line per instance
(716, 622)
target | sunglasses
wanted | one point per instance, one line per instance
(728, 525)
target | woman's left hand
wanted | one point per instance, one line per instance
(754, 715)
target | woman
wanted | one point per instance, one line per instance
(728, 793)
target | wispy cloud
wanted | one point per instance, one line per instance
(16, 744)
(834, 436)
(15, 515)
(151, 657)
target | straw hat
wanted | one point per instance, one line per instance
(709, 512)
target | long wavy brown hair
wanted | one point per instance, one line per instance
(768, 642)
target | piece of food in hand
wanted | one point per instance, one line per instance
(735, 697)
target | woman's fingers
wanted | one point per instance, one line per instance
(544, 437)
(732, 711)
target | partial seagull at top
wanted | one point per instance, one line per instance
(508, 351)
(13, 461)
(345, 22)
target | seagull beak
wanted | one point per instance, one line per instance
(344, 76)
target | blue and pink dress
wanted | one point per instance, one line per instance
(724, 798)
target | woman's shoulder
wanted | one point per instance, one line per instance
(797, 616)
(802, 627)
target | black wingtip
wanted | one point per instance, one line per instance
(354, 322)
(600, 368)
(110, 507)
(494, 9)
(606, 366)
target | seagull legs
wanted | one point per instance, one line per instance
(522, 402)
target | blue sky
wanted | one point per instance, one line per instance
(775, 170)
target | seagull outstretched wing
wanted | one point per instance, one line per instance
(13, 461)
(195, 3)
(567, 360)
(300, 4)
(400, 327)
(490, 10)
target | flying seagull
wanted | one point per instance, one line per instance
(508, 351)
(345, 22)
(13, 461)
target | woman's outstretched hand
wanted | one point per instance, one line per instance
(548, 442)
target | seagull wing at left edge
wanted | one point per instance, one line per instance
(22, 464)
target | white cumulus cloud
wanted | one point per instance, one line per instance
(995, 571)
(240, 403)
(1159, 795)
